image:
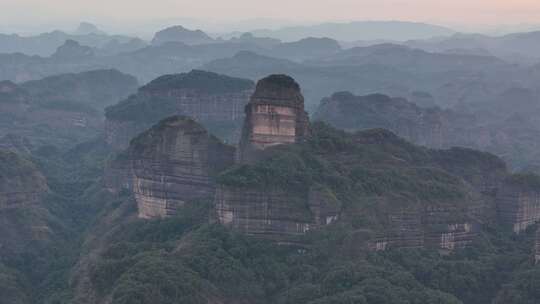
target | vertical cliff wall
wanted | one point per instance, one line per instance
(274, 214)
(518, 201)
(170, 164)
(275, 115)
(216, 101)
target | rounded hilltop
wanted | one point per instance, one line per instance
(278, 89)
(202, 81)
(174, 124)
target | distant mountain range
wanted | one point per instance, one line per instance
(520, 47)
(360, 30)
(45, 44)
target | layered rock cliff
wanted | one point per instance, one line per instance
(170, 164)
(275, 115)
(217, 101)
(394, 194)
(518, 201)
(274, 214)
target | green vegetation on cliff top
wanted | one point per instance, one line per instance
(150, 109)
(369, 163)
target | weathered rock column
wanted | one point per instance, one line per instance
(275, 115)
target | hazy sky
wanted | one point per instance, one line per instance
(445, 12)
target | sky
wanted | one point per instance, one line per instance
(215, 13)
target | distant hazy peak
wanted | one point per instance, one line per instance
(86, 28)
(72, 50)
(179, 33)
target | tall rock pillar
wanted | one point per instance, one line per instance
(275, 115)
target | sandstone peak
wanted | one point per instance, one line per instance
(171, 164)
(275, 115)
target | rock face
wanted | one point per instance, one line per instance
(217, 101)
(275, 115)
(518, 201)
(274, 214)
(380, 176)
(429, 228)
(172, 163)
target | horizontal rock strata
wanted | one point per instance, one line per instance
(518, 202)
(168, 165)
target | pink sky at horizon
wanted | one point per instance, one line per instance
(466, 12)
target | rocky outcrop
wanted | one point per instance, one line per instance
(432, 228)
(274, 214)
(217, 101)
(275, 115)
(170, 164)
(518, 201)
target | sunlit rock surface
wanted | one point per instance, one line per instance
(275, 115)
